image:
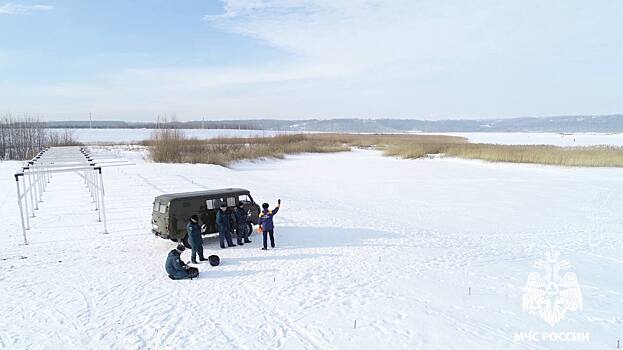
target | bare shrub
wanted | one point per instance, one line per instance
(167, 145)
(21, 138)
(61, 138)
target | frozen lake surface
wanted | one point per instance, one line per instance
(133, 136)
(423, 254)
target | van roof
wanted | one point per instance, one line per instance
(209, 193)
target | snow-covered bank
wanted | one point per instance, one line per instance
(425, 254)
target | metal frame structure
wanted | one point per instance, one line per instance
(38, 173)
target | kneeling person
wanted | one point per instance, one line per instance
(176, 268)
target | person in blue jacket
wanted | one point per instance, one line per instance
(175, 267)
(194, 238)
(223, 221)
(267, 227)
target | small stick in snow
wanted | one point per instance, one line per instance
(355, 324)
(469, 291)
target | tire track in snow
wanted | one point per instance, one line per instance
(61, 326)
(3, 340)
(150, 184)
(229, 335)
(483, 328)
(192, 182)
(313, 340)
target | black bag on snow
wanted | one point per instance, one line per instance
(193, 272)
(214, 260)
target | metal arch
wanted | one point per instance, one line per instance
(37, 173)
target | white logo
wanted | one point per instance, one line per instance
(549, 295)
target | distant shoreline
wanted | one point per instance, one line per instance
(564, 124)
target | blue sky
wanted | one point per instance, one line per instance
(441, 59)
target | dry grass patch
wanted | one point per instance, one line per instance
(597, 156)
(171, 146)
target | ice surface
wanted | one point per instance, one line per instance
(91, 136)
(424, 254)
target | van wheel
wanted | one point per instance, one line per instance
(249, 228)
(185, 242)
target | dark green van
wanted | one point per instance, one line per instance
(171, 212)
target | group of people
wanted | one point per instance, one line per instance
(227, 222)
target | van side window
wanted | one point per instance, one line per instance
(244, 198)
(211, 204)
(231, 201)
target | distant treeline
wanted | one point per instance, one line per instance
(111, 124)
(563, 124)
(22, 138)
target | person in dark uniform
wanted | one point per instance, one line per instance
(242, 232)
(194, 238)
(223, 220)
(267, 226)
(176, 268)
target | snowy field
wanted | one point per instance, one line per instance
(423, 254)
(95, 136)
(544, 138)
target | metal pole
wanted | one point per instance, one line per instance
(39, 182)
(25, 200)
(101, 179)
(92, 189)
(45, 177)
(33, 174)
(97, 196)
(32, 200)
(19, 203)
(88, 180)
